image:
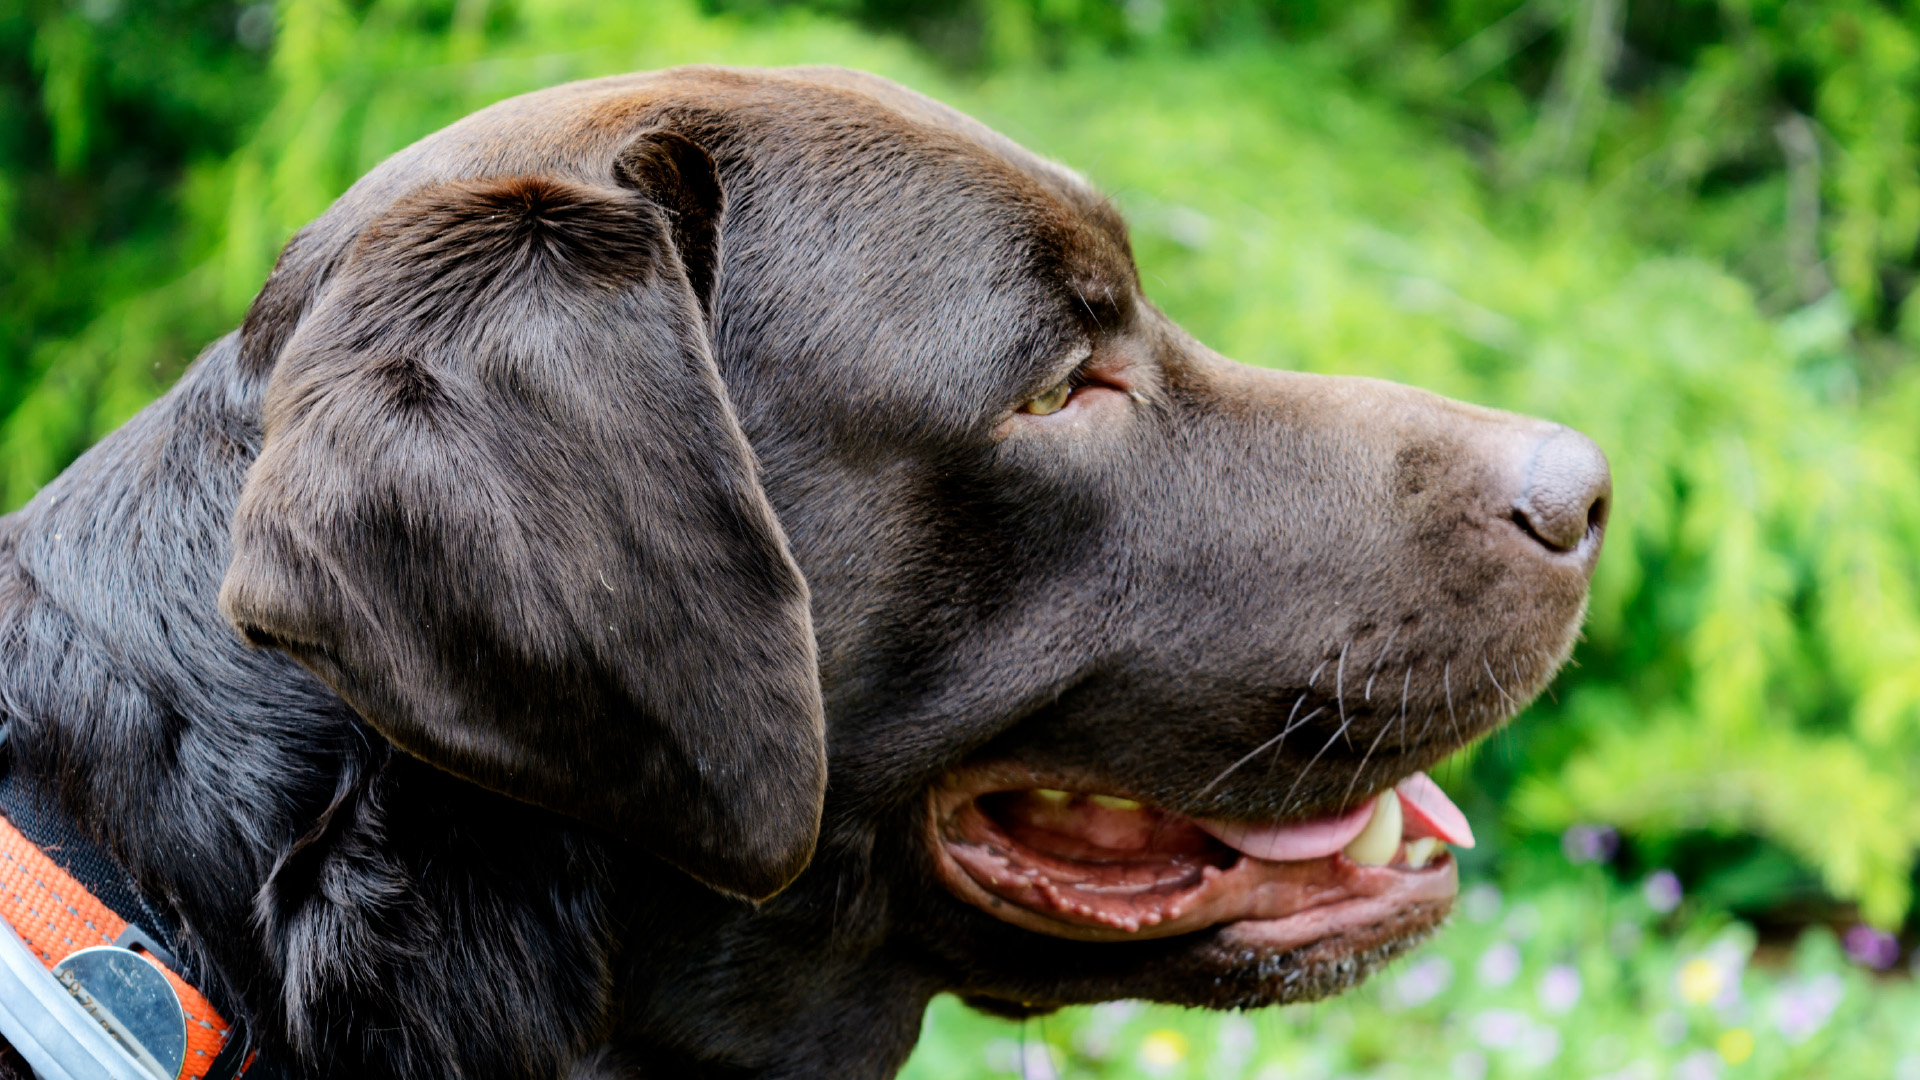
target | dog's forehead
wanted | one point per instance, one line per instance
(574, 131)
(876, 241)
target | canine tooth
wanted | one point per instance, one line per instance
(1052, 795)
(1377, 842)
(1421, 851)
(1113, 802)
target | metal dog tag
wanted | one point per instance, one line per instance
(133, 1001)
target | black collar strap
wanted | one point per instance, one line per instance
(90, 983)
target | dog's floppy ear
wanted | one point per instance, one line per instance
(504, 509)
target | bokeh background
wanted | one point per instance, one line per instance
(1689, 227)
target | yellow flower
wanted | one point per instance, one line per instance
(1700, 981)
(1163, 1049)
(1735, 1045)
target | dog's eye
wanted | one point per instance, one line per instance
(1053, 400)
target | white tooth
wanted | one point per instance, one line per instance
(1420, 851)
(1381, 838)
(1052, 795)
(1113, 802)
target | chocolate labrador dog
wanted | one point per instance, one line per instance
(455, 658)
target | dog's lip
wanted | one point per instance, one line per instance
(1181, 881)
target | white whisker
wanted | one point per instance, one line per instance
(1379, 660)
(1364, 758)
(1496, 683)
(1262, 748)
(1339, 689)
(1406, 686)
(1328, 745)
(1284, 732)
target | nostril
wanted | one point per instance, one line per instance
(1568, 489)
(1519, 518)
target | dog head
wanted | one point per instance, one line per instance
(1130, 655)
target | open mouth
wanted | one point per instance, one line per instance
(1102, 867)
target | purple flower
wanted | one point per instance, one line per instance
(1662, 891)
(1803, 1006)
(1499, 964)
(1532, 1043)
(1590, 843)
(1501, 1029)
(1872, 948)
(1559, 989)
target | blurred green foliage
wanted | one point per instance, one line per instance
(1687, 227)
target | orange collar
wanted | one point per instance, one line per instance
(55, 915)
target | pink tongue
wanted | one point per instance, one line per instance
(1428, 812)
(1293, 842)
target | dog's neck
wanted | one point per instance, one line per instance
(285, 797)
(724, 990)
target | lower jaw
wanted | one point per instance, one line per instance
(1228, 966)
(1243, 966)
(1361, 921)
(1251, 906)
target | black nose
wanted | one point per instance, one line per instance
(1567, 491)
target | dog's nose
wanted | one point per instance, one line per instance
(1567, 490)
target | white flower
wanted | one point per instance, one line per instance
(1095, 1037)
(1481, 903)
(1028, 1060)
(1699, 1065)
(1469, 1065)
(1625, 938)
(1539, 1046)
(1235, 1039)
(1422, 981)
(1670, 1028)
(1522, 922)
